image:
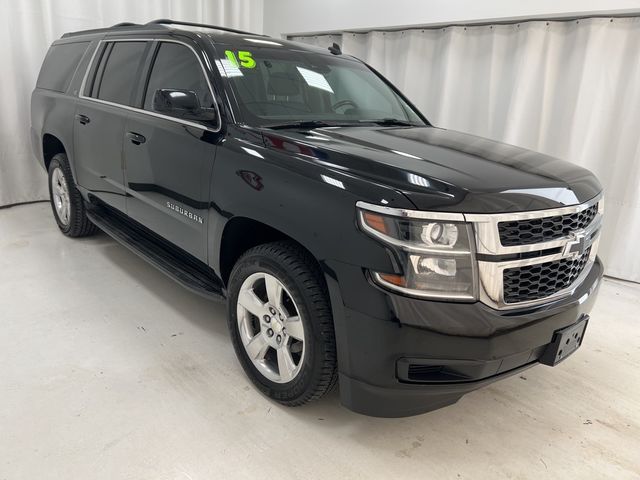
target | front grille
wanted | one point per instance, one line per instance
(533, 282)
(537, 230)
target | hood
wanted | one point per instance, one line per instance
(445, 170)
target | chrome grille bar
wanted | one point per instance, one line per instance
(492, 253)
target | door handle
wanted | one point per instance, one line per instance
(83, 119)
(136, 138)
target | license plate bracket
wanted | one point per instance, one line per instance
(565, 342)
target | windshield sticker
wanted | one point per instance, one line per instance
(244, 58)
(315, 79)
(228, 69)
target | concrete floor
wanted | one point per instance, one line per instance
(110, 370)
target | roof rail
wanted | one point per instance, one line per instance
(161, 23)
(166, 21)
(95, 31)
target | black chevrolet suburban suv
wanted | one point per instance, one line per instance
(354, 242)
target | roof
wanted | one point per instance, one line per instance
(161, 25)
(222, 35)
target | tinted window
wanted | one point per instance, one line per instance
(120, 72)
(280, 85)
(177, 67)
(59, 66)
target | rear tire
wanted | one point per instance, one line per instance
(66, 201)
(285, 339)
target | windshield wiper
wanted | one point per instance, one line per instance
(321, 123)
(302, 124)
(391, 122)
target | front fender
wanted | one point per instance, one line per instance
(298, 195)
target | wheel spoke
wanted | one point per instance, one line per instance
(60, 196)
(257, 347)
(286, 367)
(280, 332)
(274, 290)
(295, 328)
(248, 300)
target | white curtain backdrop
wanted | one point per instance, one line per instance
(320, 40)
(27, 28)
(569, 89)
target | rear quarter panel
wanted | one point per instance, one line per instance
(53, 112)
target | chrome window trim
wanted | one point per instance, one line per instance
(82, 96)
(225, 93)
(89, 65)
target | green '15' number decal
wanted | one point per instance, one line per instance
(246, 60)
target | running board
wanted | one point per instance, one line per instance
(182, 267)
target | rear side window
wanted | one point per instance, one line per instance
(59, 66)
(177, 67)
(118, 72)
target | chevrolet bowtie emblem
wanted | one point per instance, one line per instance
(576, 246)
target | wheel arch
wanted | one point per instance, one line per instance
(51, 146)
(242, 233)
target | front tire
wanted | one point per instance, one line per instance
(281, 323)
(66, 201)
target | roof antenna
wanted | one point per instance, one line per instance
(335, 49)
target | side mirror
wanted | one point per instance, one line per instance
(181, 104)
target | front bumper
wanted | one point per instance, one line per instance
(400, 356)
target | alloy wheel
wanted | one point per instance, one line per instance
(60, 193)
(270, 327)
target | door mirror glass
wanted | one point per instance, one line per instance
(181, 104)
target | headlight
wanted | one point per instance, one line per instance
(435, 251)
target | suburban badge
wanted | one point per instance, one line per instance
(186, 213)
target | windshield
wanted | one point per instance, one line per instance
(277, 86)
